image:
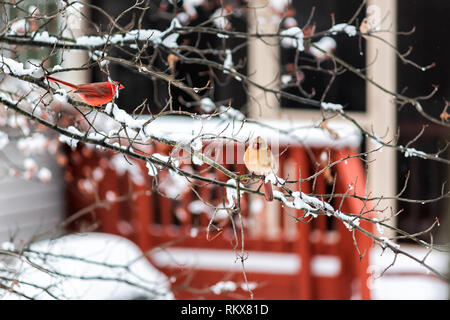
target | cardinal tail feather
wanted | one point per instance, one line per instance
(61, 81)
(268, 193)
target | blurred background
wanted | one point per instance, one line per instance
(29, 206)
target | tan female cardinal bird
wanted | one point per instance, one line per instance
(260, 160)
(94, 94)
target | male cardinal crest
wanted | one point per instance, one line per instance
(260, 160)
(94, 94)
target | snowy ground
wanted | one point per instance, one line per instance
(83, 266)
(405, 280)
(408, 280)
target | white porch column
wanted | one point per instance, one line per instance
(76, 58)
(381, 109)
(264, 69)
(264, 60)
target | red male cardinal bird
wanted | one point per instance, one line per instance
(94, 94)
(260, 160)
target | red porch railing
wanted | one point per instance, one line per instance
(319, 258)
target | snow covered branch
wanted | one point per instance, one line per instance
(177, 65)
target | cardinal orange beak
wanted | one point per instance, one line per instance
(121, 86)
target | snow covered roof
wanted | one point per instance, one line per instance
(338, 134)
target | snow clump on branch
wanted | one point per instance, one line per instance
(343, 27)
(10, 66)
(292, 38)
(327, 106)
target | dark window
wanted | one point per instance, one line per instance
(430, 44)
(156, 92)
(138, 87)
(348, 89)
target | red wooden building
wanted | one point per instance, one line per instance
(285, 258)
